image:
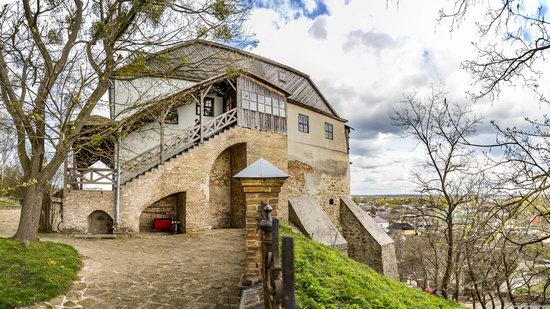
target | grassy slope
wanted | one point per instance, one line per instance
(327, 279)
(39, 273)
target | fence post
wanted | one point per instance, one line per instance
(289, 295)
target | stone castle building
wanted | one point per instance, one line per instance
(185, 120)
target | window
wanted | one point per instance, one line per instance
(303, 123)
(331, 201)
(171, 117)
(263, 103)
(282, 76)
(208, 107)
(328, 131)
(279, 108)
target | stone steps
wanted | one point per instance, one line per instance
(171, 159)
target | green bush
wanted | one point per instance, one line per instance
(40, 272)
(327, 279)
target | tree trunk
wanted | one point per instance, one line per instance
(445, 284)
(27, 231)
(46, 214)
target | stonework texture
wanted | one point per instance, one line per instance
(367, 242)
(325, 179)
(212, 163)
(78, 205)
(164, 208)
(226, 194)
(257, 192)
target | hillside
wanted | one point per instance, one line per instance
(327, 279)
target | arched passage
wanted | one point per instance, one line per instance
(163, 211)
(99, 222)
(226, 197)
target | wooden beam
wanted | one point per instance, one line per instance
(161, 133)
(201, 111)
(231, 84)
(200, 117)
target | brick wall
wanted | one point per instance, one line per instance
(190, 172)
(220, 191)
(238, 206)
(164, 208)
(257, 192)
(79, 204)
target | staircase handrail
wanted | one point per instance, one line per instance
(174, 145)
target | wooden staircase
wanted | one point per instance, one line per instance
(176, 145)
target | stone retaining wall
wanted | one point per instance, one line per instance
(367, 242)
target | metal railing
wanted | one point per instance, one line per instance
(278, 279)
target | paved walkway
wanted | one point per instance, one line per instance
(198, 270)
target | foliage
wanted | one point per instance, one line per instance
(327, 279)
(56, 62)
(38, 273)
(8, 202)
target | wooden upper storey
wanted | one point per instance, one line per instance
(199, 60)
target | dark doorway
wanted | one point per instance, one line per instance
(170, 207)
(227, 205)
(99, 222)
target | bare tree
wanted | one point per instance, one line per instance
(447, 179)
(517, 37)
(7, 147)
(56, 58)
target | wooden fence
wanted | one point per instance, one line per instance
(278, 278)
(90, 178)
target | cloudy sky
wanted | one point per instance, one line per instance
(364, 55)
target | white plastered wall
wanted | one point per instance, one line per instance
(148, 136)
(129, 95)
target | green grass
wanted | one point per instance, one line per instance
(8, 202)
(327, 279)
(38, 273)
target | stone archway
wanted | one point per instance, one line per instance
(169, 207)
(226, 197)
(99, 222)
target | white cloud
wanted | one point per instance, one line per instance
(365, 56)
(318, 29)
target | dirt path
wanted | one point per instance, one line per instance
(199, 270)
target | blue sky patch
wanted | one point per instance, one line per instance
(298, 8)
(542, 10)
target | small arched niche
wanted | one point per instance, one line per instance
(99, 222)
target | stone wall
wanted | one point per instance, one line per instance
(226, 195)
(238, 206)
(367, 242)
(79, 204)
(318, 166)
(257, 192)
(319, 173)
(190, 172)
(220, 191)
(164, 208)
(297, 182)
